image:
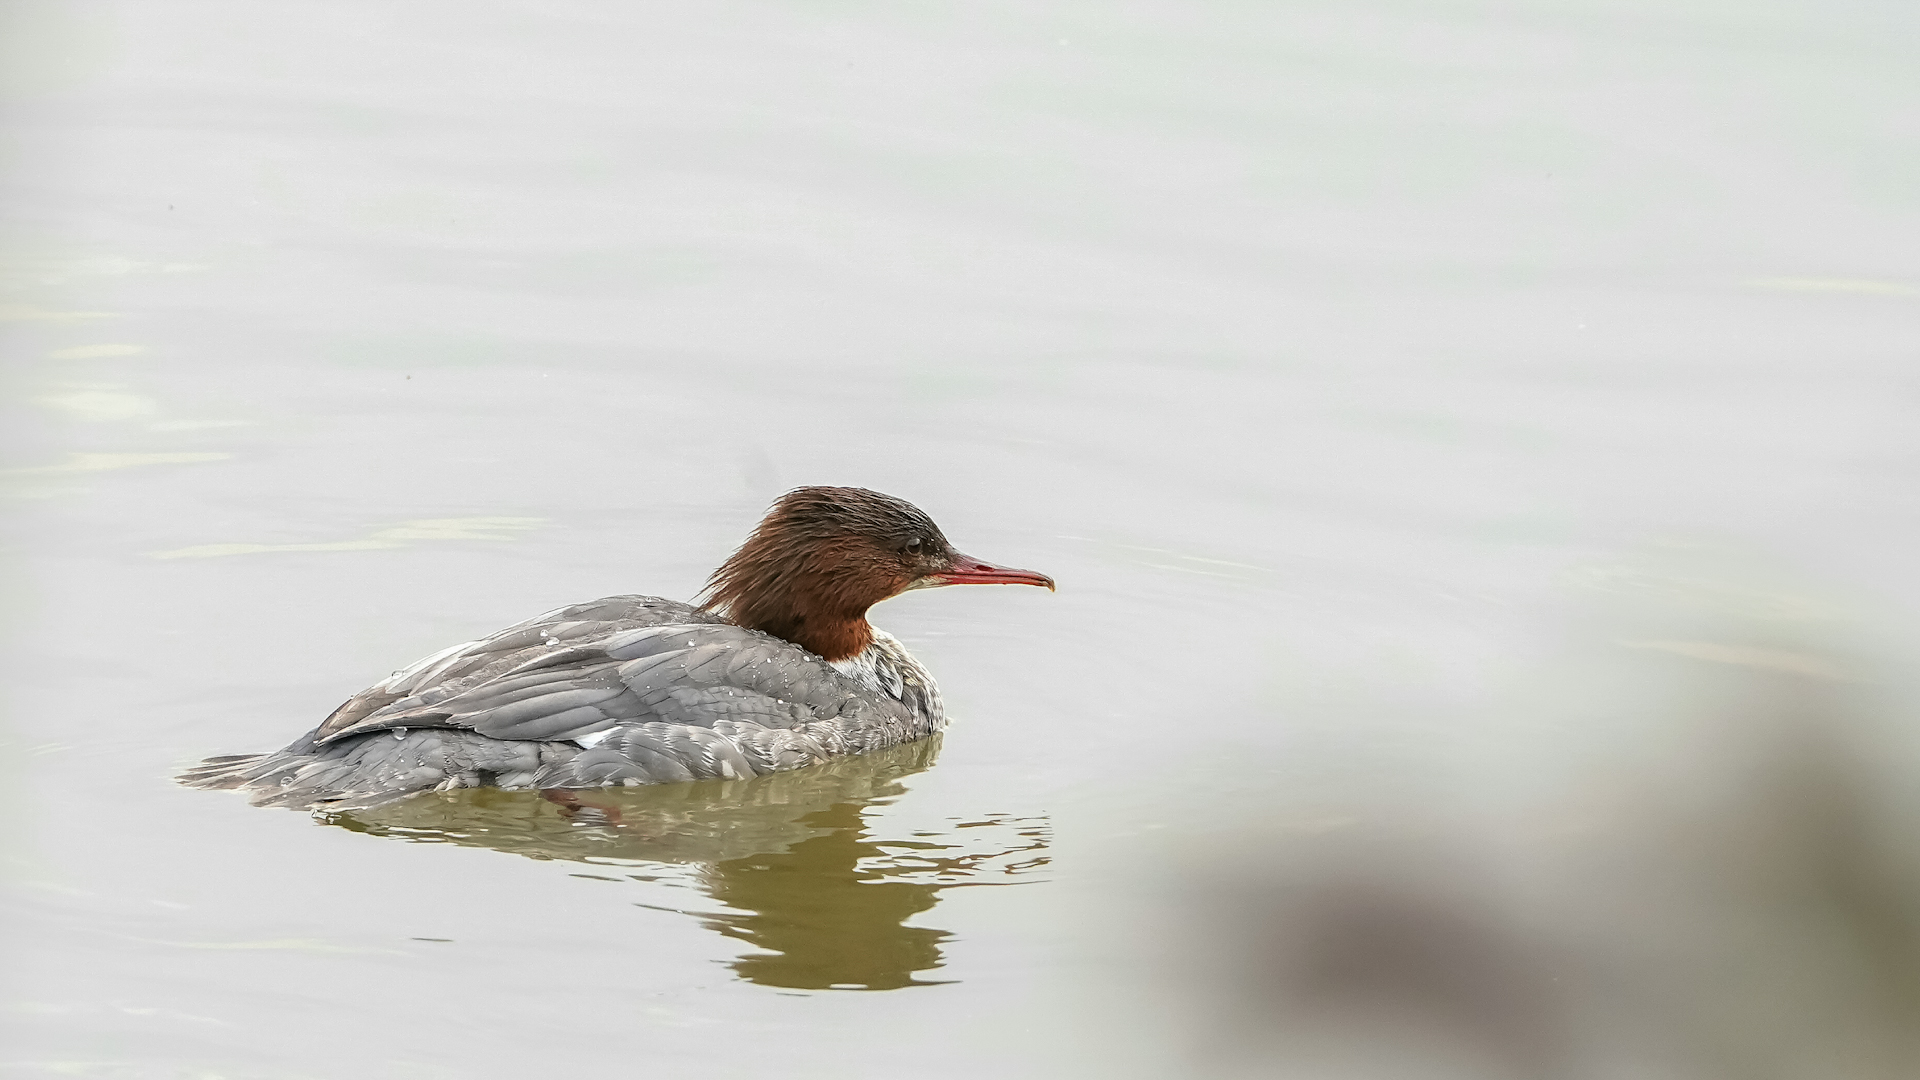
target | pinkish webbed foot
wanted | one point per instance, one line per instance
(572, 805)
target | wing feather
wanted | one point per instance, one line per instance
(662, 672)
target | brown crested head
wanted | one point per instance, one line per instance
(823, 555)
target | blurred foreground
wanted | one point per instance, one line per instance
(1688, 853)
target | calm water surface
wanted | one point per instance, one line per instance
(1349, 366)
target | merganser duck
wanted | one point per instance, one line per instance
(777, 668)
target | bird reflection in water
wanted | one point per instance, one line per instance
(789, 858)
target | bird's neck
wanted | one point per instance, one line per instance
(815, 596)
(829, 637)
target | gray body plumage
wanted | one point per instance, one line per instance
(624, 690)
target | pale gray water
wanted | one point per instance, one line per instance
(1344, 363)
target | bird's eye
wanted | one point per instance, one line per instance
(913, 546)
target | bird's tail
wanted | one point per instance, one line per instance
(223, 773)
(378, 767)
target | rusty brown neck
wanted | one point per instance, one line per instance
(830, 638)
(814, 595)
